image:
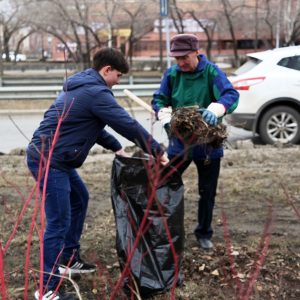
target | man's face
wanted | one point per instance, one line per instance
(189, 62)
(112, 76)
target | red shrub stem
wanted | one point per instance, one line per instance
(261, 256)
(229, 252)
(2, 277)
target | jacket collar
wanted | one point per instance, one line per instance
(93, 72)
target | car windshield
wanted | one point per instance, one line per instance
(247, 66)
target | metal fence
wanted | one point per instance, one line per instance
(51, 92)
(10, 81)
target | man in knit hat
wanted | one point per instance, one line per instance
(195, 81)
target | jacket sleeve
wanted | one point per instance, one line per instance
(108, 141)
(106, 108)
(223, 90)
(162, 96)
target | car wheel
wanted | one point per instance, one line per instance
(280, 124)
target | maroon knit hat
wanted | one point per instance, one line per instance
(183, 44)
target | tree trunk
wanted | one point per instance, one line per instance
(231, 30)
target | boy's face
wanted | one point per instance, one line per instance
(189, 62)
(111, 76)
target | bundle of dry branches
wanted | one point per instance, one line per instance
(187, 124)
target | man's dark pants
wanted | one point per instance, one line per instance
(208, 174)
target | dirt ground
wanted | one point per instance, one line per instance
(258, 190)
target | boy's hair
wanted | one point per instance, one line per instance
(110, 57)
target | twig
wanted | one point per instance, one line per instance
(19, 129)
(290, 200)
(62, 277)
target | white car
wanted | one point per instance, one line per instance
(19, 57)
(269, 87)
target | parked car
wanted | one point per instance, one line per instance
(269, 87)
(19, 57)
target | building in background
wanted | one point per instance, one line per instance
(252, 30)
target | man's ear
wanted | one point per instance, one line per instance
(105, 70)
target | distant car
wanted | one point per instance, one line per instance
(19, 57)
(269, 87)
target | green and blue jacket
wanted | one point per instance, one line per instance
(205, 85)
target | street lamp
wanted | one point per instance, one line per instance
(1, 51)
(164, 12)
(1, 47)
(278, 25)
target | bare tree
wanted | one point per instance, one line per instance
(208, 27)
(179, 12)
(29, 32)
(282, 18)
(256, 25)
(12, 20)
(110, 11)
(177, 15)
(270, 19)
(260, 21)
(291, 21)
(210, 16)
(228, 14)
(140, 22)
(70, 21)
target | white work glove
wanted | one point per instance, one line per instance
(217, 109)
(164, 115)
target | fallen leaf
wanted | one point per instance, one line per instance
(219, 222)
(215, 272)
(207, 257)
(94, 291)
(259, 288)
(202, 267)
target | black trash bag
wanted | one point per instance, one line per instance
(152, 269)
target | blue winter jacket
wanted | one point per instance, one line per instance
(88, 105)
(205, 85)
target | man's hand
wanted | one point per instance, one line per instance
(121, 152)
(211, 114)
(208, 116)
(164, 159)
(164, 115)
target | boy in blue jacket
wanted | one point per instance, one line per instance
(87, 105)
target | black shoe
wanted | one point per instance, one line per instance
(205, 244)
(77, 266)
(60, 294)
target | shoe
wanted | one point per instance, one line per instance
(206, 244)
(77, 266)
(60, 294)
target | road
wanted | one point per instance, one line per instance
(17, 129)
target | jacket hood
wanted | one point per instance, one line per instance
(82, 78)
